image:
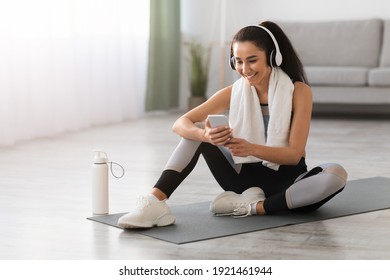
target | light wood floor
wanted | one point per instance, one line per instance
(45, 196)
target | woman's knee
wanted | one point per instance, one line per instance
(327, 180)
(335, 169)
(183, 155)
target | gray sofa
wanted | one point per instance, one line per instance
(347, 63)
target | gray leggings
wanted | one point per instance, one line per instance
(292, 187)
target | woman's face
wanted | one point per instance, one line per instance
(251, 63)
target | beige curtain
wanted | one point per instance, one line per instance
(164, 55)
(67, 65)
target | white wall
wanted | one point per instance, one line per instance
(202, 19)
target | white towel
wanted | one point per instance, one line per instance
(246, 119)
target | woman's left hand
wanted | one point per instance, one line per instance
(240, 147)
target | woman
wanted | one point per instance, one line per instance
(259, 160)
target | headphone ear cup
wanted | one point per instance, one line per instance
(272, 62)
(232, 62)
(275, 59)
(278, 59)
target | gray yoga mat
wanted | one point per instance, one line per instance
(194, 222)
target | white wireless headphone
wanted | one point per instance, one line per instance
(278, 55)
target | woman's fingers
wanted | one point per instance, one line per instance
(220, 135)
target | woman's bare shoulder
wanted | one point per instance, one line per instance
(302, 87)
(302, 91)
(302, 97)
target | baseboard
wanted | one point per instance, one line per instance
(352, 110)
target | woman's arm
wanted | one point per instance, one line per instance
(186, 127)
(300, 126)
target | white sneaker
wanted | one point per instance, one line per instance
(231, 203)
(148, 213)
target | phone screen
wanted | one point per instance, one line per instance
(218, 120)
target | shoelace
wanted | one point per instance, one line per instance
(240, 210)
(142, 202)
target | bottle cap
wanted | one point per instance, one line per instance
(100, 156)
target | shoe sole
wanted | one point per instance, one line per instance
(163, 221)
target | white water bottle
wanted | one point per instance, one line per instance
(100, 183)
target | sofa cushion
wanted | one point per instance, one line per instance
(336, 43)
(379, 77)
(337, 76)
(385, 55)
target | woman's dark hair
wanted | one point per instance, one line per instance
(291, 63)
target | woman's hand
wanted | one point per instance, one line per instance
(240, 147)
(218, 136)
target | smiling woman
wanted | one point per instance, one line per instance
(259, 158)
(69, 64)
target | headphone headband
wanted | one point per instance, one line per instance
(278, 55)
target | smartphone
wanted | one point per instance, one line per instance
(218, 120)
